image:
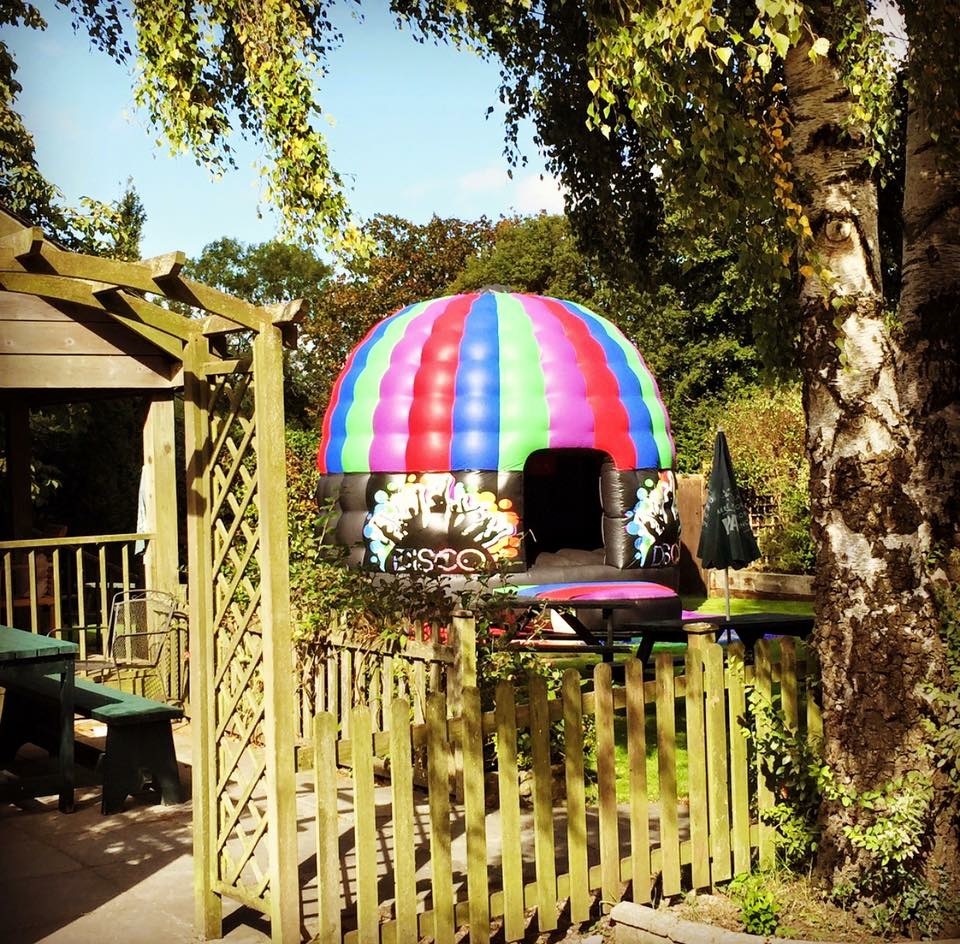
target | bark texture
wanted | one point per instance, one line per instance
(877, 627)
(929, 374)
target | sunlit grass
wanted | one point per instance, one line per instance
(738, 607)
(653, 776)
(584, 665)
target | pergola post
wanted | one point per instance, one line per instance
(278, 667)
(241, 650)
(208, 907)
(161, 560)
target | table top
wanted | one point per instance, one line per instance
(598, 595)
(19, 644)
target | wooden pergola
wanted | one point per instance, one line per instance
(75, 327)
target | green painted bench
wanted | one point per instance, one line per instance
(139, 732)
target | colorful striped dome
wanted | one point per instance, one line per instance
(482, 380)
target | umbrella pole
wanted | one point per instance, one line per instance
(726, 589)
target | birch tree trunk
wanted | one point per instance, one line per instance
(877, 628)
(929, 377)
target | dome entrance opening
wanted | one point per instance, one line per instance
(561, 502)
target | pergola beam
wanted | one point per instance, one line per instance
(25, 249)
(163, 328)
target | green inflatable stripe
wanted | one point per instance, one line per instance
(366, 394)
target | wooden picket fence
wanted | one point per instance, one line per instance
(344, 672)
(637, 848)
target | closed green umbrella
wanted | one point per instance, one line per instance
(726, 539)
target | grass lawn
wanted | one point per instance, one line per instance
(739, 607)
(584, 664)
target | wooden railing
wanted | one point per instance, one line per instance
(47, 583)
(483, 867)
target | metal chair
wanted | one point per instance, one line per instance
(144, 652)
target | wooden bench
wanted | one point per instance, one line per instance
(139, 732)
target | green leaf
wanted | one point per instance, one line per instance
(695, 39)
(724, 54)
(781, 43)
(821, 47)
(764, 62)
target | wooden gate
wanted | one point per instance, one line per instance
(244, 792)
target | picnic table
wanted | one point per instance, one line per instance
(649, 613)
(23, 654)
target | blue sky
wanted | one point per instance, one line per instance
(409, 131)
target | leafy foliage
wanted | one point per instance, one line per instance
(537, 254)
(891, 828)
(97, 228)
(691, 322)
(208, 69)
(765, 429)
(271, 272)
(86, 449)
(22, 187)
(407, 263)
(758, 907)
(793, 767)
(943, 699)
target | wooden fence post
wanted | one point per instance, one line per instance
(463, 672)
(699, 636)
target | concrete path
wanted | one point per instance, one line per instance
(86, 878)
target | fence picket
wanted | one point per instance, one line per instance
(697, 769)
(475, 815)
(763, 680)
(814, 715)
(438, 779)
(717, 779)
(333, 685)
(509, 793)
(739, 779)
(404, 836)
(544, 845)
(640, 872)
(577, 861)
(724, 782)
(607, 786)
(789, 693)
(365, 826)
(327, 826)
(386, 690)
(667, 773)
(418, 679)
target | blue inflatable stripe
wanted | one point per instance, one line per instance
(338, 420)
(476, 409)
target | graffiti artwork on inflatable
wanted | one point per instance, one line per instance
(494, 431)
(654, 522)
(434, 523)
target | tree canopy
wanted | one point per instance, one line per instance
(204, 72)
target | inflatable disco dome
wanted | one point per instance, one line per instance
(496, 431)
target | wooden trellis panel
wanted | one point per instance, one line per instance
(241, 638)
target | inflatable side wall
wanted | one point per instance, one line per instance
(641, 527)
(472, 522)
